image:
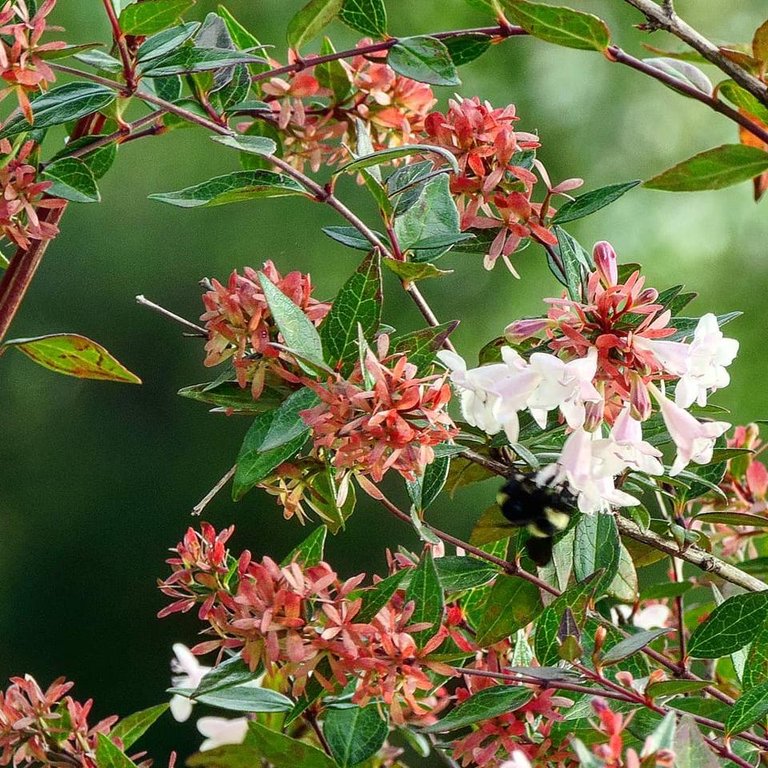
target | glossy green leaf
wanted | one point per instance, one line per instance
(354, 733)
(307, 24)
(74, 355)
(98, 161)
(691, 751)
(424, 59)
(351, 237)
(229, 394)
(72, 180)
(675, 687)
(376, 597)
(750, 709)
(593, 201)
(425, 489)
(484, 705)
(254, 145)
(166, 41)
(109, 755)
(241, 37)
(631, 645)
(151, 16)
(310, 551)
(685, 326)
(433, 215)
(261, 743)
(332, 75)
(130, 729)
(233, 188)
(248, 697)
(467, 48)
(234, 671)
(188, 60)
(714, 169)
(559, 25)
(62, 105)
(357, 306)
(100, 60)
(366, 16)
(426, 592)
(394, 153)
(756, 664)
(730, 626)
(596, 546)
(412, 271)
(572, 260)
(743, 99)
(253, 464)
(421, 346)
(624, 586)
(459, 573)
(512, 604)
(733, 518)
(287, 423)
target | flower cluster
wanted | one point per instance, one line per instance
(48, 727)
(383, 415)
(610, 359)
(299, 620)
(22, 56)
(495, 183)
(22, 197)
(240, 325)
(392, 108)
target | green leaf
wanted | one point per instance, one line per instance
(188, 60)
(72, 180)
(421, 346)
(62, 105)
(248, 697)
(98, 161)
(306, 25)
(100, 60)
(253, 145)
(253, 464)
(675, 687)
(714, 169)
(512, 604)
(631, 645)
(232, 188)
(733, 518)
(412, 271)
(166, 41)
(354, 733)
(425, 489)
(684, 72)
(109, 755)
(459, 573)
(358, 305)
(376, 597)
(241, 37)
(234, 671)
(427, 593)
(261, 743)
(310, 551)
(558, 25)
(229, 394)
(729, 627)
(351, 237)
(425, 59)
(751, 708)
(366, 16)
(433, 215)
(596, 547)
(624, 586)
(685, 326)
(394, 153)
(74, 355)
(287, 424)
(332, 74)
(467, 48)
(691, 751)
(588, 203)
(743, 99)
(484, 705)
(151, 16)
(572, 258)
(130, 729)
(756, 666)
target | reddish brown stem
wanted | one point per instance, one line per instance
(21, 271)
(125, 55)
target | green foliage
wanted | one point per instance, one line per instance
(457, 574)
(631, 645)
(366, 16)
(425, 489)
(72, 180)
(484, 705)
(751, 708)
(247, 697)
(730, 626)
(354, 733)
(310, 551)
(307, 24)
(426, 592)
(590, 202)
(109, 755)
(130, 729)
(425, 59)
(512, 604)
(596, 547)
(466, 48)
(186, 61)
(152, 16)
(421, 346)
(165, 41)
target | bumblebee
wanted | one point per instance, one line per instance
(543, 510)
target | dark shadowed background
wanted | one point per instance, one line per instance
(98, 479)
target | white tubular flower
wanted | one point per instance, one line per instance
(188, 672)
(588, 464)
(220, 731)
(695, 440)
(672, 356)
(710, 353)
(567, 386)
(517, 759)
(626, 442)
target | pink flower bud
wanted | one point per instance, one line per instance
(523, 329)
(648, 296)
(605, 260)
(639, 399)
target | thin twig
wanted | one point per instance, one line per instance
(199, 508)
(664, 17)
(197, 329)
(122, 46)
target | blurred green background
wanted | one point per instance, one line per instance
(98, 480)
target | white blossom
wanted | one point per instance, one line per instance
(220, 731)
(188, 672)
(627, 444)
(517, 759)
